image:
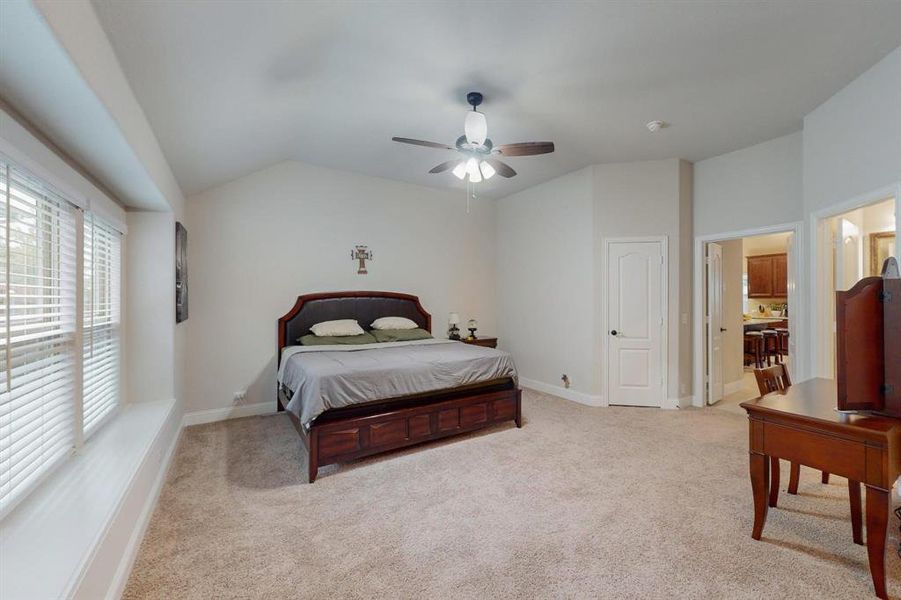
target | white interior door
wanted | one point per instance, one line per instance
(715, 330)
(635, 323)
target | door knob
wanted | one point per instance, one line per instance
(722, 329)
(613, 332)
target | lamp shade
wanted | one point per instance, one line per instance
(487, 170)
(460, 170)
(476, 127)
(453, 319)
(472, 167)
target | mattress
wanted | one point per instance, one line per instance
(321, 378)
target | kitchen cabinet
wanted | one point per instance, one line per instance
(780, 275)
(768, 276)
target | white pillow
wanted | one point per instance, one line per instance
(338, 328)
(394, 323)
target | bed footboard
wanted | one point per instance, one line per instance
(345, 439)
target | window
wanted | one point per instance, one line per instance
(37, 331)
(101, 322)
(47, 338)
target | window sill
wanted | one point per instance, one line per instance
(64, 539)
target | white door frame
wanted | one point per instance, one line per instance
(821, 360)
(664, 308)
(796, 291)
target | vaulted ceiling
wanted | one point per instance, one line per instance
(231, 87)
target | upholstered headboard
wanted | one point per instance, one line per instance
(365, 307)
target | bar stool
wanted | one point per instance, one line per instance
(754, 348)
(782, 334)
(771, 346)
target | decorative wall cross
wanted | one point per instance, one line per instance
(362, 254)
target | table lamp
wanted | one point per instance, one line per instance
(472, 326)
(453, 332)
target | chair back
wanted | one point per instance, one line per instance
(772, 379)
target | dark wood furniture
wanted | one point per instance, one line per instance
(352, 432)
(801, 425)
(753, 350)
(768, 276)
(783, 334)
(771, 347)
(776, 379)
(487, 342)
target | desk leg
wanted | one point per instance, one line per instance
(774, 481)
(856, 525)
(760, 482)
(877, 520)
(794, 478)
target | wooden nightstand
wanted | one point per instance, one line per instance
(488, 342)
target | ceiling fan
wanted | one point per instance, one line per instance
(478, 153)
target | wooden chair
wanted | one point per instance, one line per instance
(774, 379)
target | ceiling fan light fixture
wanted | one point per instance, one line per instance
(487, 170)
(472, 167)
(460, 170)
(475, 126)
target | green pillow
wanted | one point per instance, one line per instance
(400, 335)
(328, 340)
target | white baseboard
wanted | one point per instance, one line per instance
(120, 579)
(676, 403)
(211, 415)
(556, 390)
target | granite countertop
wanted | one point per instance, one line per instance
(765, 320)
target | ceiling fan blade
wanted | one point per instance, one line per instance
(444, 166)
(422, 143)
(503, 169)
(526, 148)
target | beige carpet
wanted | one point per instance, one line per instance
(580, 503)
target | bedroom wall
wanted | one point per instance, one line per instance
(753, 187)
(648, 199)
(552, 234)
(853, 140)
(150, 307)
(258, 242)
(546, 284)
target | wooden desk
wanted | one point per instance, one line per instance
(802, 425)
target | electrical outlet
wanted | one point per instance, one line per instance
(239, 397)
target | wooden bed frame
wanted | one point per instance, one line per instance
(341, 435)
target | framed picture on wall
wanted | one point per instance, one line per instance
(181, 272)
(882, 245)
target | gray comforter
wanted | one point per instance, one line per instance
(325, 377)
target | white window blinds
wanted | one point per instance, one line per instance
(102, 249)
(37, 332)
